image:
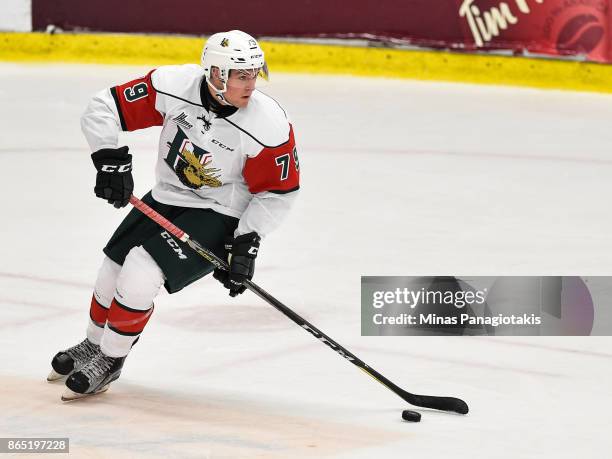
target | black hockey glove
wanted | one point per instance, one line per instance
(242, 253)
(114, 181)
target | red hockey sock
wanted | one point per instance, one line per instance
(127, 321)
(97, 312)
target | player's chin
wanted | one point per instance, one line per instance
(244, 101)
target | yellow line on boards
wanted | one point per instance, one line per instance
(314, 58)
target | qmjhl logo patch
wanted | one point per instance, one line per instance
(181, 120)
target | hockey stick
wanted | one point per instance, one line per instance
(425, 401)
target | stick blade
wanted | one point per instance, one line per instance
(437, 403)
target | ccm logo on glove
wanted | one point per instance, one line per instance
(118, 169)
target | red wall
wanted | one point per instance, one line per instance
(555, 27)
(418, 18)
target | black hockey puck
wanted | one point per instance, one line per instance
(411, 416)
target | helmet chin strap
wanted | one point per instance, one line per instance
(219, 92)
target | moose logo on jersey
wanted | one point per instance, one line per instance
(192, 163)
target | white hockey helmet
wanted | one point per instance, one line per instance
(233, 50)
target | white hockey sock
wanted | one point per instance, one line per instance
(101, 299)
(137, 285)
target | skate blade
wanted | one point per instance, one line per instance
(69, 396)
(55, 376)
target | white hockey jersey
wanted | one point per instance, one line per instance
(244, 165)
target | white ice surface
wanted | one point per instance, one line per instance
(399, 178)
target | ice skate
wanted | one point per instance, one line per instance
(72, 359)
(69, 395)
(94, 377)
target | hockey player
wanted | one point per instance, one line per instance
(227, 171)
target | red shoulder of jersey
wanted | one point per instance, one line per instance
(276, 169)
(135, 102)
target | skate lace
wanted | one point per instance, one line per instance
(84, 350)
(97, 366)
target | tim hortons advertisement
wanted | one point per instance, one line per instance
(555, 27)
